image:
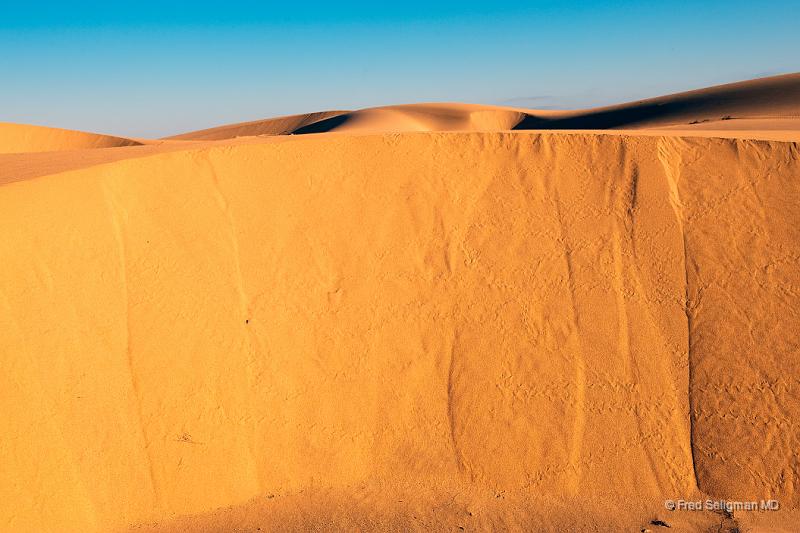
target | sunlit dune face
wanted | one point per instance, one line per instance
(419, 317)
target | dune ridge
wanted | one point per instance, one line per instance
(20, 138)
(747, 106)
(771, 97)
(271, 126)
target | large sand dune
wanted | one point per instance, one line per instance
(19, 138)
(271, 126)
(765, 98)
(482, 330)
(766, 104)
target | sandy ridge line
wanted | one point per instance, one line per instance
(11, 163)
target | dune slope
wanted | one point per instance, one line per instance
(475, 330)
(421, 117)
(19, 138)
(271, 126)
(767, 104)
(773, 97)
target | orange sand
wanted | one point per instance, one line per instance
(18, 138)
(393, 327)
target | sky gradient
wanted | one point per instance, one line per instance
(155, 68)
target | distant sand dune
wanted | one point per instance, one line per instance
(18, 138)
(270, 126)
(777, 96)
(722, 107)
(421, 117)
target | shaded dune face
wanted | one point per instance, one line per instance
(486, 330)
(272, 126)
(420, 117)
(774, 97)
(18, 138)
(412, 117)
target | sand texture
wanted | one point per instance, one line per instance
(423, 318)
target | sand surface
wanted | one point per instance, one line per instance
(19, 138)
(424, 317)
(765, 108)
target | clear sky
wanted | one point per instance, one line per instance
(150, 68)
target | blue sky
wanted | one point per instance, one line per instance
(155, 68)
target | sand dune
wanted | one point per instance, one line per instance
(412, 117)
(270, 126)
(18, 138)
(767, 104)
(765, 98)
(401, 331)
(421, 117)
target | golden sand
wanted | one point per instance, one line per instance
(387, 327)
